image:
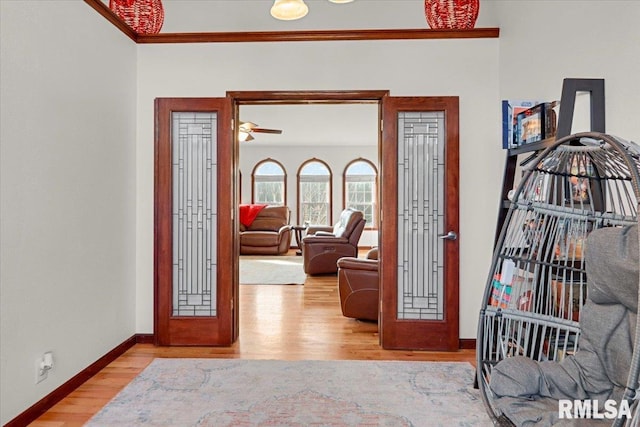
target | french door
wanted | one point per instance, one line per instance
(195, 270)
(420, 223)
(194, 239)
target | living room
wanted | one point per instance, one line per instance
(292, 143)
(306, 135)
(77, 143)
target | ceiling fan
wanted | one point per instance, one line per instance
(247, 128)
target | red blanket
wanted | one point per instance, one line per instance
(249, 212)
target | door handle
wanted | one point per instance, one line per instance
(449, 236)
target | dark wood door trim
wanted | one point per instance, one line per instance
(307, 97)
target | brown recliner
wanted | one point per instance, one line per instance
(359, 287)
(268, 234)
(322, 250)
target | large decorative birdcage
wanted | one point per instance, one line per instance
(533, 316)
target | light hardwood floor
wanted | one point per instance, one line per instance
(276, 322)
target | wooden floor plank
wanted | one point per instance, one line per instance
(276, 322)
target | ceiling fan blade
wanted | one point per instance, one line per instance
(247, 125)
(265, 130)
(245, 129)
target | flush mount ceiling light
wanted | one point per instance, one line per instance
(288, 10)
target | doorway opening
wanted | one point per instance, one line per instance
(330, 127)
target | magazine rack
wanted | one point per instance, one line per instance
(570, 89)
(536, 285)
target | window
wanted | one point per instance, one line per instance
(360, 189)
(314, 192)
(269, 183)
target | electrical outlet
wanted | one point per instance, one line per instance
(41, 373)
(43, 366)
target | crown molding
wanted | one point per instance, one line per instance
(104, 10)
(317, 35)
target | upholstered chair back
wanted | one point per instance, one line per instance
(349, 221)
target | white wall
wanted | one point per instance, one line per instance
(292, 157)
(480, 72)
(464, 68)
(541, 43)
(68, 199)
(589, 40)
(580, 39)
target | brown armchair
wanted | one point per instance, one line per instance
(358, 284)
(322, 250)
(268, 234)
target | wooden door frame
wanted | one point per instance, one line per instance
(387, 171)
(239, 98)
(424, 334)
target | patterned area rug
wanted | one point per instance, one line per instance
(232, 392)
(271, 270)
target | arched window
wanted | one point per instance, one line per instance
(360, 189)
(314, 192)
(269, 183)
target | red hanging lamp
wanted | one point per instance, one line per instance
(144, 16)
(451, 14)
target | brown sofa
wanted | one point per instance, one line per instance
(268, 234)
(323, 249)
(358, 284)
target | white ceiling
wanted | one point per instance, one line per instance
(304, 124)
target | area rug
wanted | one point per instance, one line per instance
(232, 392)
(271, 270)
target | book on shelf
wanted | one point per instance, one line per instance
(510, 110)
(527, 121)
(535, 124)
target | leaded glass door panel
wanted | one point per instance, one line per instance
(419, 256)
(193, 223)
